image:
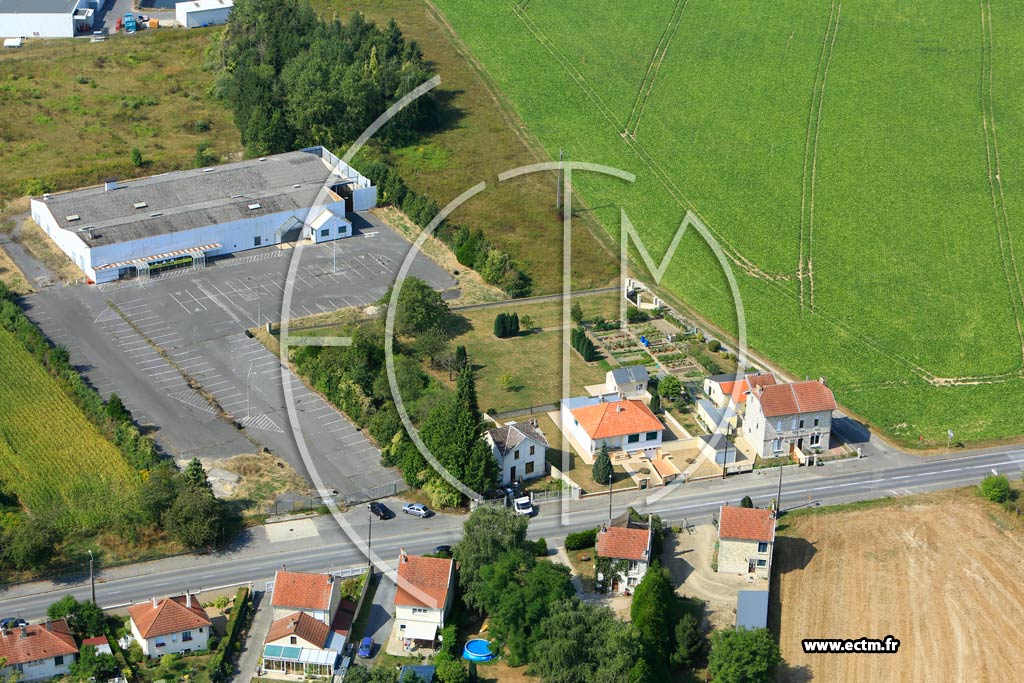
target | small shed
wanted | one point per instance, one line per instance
(752, 609)
(12, 42)
(197, 13)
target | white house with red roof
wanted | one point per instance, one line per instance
(746, 539)
(170, 625)
(425, 587)
(622, 425)
(789, 419)
(629, 548)
(37, 652)
(727, 390)
(311, 623)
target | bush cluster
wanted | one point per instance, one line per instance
(581, 342)
(578, 540)
(506, 325)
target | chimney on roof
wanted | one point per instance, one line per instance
(822, 380)
(49, 625)
(402, 557)
(619, 408)
(154, 602)
(24, 631)
(188, 599)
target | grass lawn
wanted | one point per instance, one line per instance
(580, 472)
(73, 110)
(582, 562)
(12, 276)
(534, 360)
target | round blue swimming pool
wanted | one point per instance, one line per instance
(478, 650)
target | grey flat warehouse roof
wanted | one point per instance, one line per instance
(37, 6)
(196, 198)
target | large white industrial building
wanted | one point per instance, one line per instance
(196, 13)
(125, 229)
(47, 18)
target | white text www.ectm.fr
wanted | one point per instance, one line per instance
(887, 645)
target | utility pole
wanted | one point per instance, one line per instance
(92, 577)
(558, 190)
(778, 498)
(247, 390)
(611, 480)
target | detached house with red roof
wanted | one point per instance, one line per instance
(37, 652)
(170, 625)
(311, 624)
(746, 539)
(425, 588)
(629, 548)
(789, 419)
(622, 425)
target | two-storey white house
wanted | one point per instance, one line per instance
(630, 551)
(726, 390)
(425, 587)
(311, 624)
(519, 449)
(621, 425)
(746, 539)
(789, 419)
(170, 625)
(37, 652)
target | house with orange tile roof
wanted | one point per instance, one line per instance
(629, 548)
(311, 623)
(170, 625)
(620, 424)
(746, 539)
(791, 419)
(425, 588)
(728, 390)
(37, 652)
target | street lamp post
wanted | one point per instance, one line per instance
(248, 390)
(369, 536)
(92, 577)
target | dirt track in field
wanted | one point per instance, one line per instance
(943, 574)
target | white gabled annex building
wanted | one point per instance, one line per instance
(197, 13)
(47, 18)
(124, 229)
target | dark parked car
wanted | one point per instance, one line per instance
(380, 510)
(12, 622)
(443, 550)
(366, 647)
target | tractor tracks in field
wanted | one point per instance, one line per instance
(653, 67)
(663, 177)
(805, 264)
(994, 173)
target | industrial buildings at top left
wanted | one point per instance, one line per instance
(21, 19)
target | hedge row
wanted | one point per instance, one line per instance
(221, 663)
(578, 540)
(470, 247)
(581, 342)
(138, 450)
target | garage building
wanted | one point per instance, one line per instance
(196, 13)
(47, 18)
(140, 226)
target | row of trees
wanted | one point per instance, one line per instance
(354, 378)
(293, 79)
(470, 247)
(579, 340)
(506, 325)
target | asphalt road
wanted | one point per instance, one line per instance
(255, 557)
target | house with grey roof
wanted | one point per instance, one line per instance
(47, 18)
(629, 382)
(519, 448)
(185, 217)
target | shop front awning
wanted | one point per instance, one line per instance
(418, 630)
(191, 251)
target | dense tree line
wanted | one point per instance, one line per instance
(294, 79)
(470, 247)
(506, 325)
(194, 518)
(354, 378)
(579, 340)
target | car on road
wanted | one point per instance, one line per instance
(523, 506)
(12, 622)
(418, 509)
(380, 510)
(443, 550)
(366, 647)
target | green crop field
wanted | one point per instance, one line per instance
(861, 165)
(51, 456)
